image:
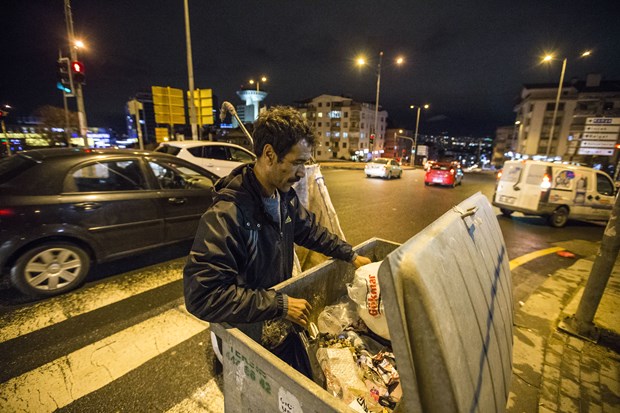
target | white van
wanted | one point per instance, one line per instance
(557, 191)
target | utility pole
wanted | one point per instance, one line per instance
(581, 324)
(190, 74)
(372, 148)
(79, 97)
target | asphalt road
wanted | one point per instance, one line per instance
(123, 343)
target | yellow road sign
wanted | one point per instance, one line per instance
(169, 105)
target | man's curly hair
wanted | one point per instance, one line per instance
(282, 127)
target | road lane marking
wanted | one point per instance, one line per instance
(68, 378)
(55, 310)
(532, 255)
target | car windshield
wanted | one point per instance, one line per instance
(381, 161)
(440, 167)
(14, 165)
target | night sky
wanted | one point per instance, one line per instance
(468, 59)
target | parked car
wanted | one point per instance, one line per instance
(63, 209)
(444, 173)
(556, 191)
(383, 168)
(217, 157)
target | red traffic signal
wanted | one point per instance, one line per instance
(78, 67)
(78, 71)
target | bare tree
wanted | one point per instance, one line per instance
(54, 117)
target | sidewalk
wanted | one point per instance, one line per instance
(557, 372)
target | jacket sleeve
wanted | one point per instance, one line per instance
(312, 235)
(213, 290)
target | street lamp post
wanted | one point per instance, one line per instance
(555, 109)
(361, 61)
(372, 149)
(515, 136)
(190, 74)
(549, 58)
(262, 79)
(417, 123)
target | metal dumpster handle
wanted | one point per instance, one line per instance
(469, 212)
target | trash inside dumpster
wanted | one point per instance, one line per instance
(449, 315)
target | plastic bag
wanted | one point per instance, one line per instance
(335, 318)
(365, 292)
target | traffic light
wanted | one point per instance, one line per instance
(78, 71)
(63, 72)
(372, 139)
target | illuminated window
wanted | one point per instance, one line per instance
(320, 114)
(345, 134)
(335, 114)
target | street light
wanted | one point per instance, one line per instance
(546, 59)
(262, 79)
(361, 61)
(417, 123)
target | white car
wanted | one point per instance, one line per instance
(217, 157)
(383, 168)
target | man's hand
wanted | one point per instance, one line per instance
(361, 260)
(298, 311)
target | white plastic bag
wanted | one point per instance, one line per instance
(365, 291)
(335, 318)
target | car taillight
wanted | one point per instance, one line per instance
(6, 212)
(452, 171)
(546, 182)
(499, 175)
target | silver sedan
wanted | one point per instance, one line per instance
(383, 168)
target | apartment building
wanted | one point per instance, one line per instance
(343, 127)
(579, 101)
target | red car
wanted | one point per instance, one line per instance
(444, 173)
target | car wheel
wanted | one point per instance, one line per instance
(389, 175)
(559, 218)
(367, 176)
(400, 175)
(50, 269)
(506, 212)
(426, 183)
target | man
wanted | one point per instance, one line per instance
(244, 243)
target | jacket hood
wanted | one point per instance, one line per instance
(240, 186)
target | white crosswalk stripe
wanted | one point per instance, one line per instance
(68, 378)
(56, 310)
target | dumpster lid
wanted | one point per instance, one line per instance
(447, 293)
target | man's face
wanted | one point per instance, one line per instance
(290, 168)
